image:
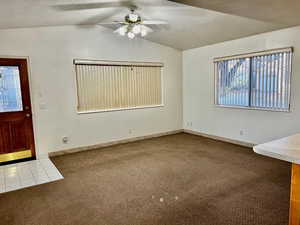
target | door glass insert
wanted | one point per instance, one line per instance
(10, 89)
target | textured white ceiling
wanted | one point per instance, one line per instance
(189, 27)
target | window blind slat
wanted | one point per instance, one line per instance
(254, 79)
(281, 80)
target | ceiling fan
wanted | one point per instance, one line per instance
(132, 25)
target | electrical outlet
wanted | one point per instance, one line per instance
(65, 140)
(130, 131)
(189, 124)
(241, 132)
(42, 106)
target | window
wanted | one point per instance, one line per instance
(257, 81)
(106, 85)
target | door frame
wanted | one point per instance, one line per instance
(32, 103)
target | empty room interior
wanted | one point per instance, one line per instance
(149, 112)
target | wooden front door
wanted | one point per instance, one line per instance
(16, 130)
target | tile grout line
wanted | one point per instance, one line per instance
(45, 172)
(19, 178)
(36, 183)
(4, 180)
(42, 167)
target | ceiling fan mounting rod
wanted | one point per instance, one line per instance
(132, 8)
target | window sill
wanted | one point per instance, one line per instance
(254, 108)
(119, 109)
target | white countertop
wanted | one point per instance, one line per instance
(287, 149)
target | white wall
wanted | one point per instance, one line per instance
(198, 92)
(51, 51)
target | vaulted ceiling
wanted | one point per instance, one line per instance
(284, 12)
(192, 23)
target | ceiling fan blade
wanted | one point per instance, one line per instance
(131, 4)
(112, 4)
(124, 27)
(112, 23)
(101, 17)
(153, 22)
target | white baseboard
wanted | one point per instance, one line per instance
(112, 143)
(128, 140)
(218, 138)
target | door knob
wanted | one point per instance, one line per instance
(27, 115)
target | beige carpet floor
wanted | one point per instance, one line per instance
(179, 179)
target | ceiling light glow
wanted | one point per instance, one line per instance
(122, 30)
(130, 35)
(143, 31)
(136, 29)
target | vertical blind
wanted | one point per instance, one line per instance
(102, 87)
(259, 80)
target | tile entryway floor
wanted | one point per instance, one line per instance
(27, 174)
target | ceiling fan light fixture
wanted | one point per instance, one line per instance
(134, 25)
(130, 35)
(122, 30)
(136, 29)
(122, 33)
(144, 33)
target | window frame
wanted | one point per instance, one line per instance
(117, 63)
(251, 55)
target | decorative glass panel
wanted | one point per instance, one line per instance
(10, 89)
